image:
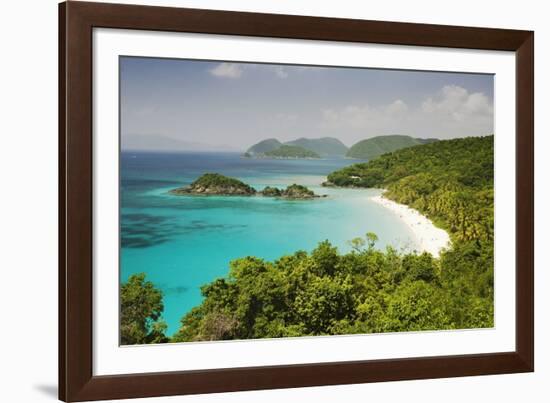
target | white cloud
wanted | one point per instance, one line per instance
(397, 109)
(457, 103)
(227, 70)
(235, 70)
(451, 112)
(364, 116)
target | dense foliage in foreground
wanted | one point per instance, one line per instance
(140, 309)
(367, 290)
(327, 293)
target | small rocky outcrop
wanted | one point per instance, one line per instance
(271, 192)
(298, 192)
(216, 184)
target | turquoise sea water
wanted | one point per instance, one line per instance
(184, 242)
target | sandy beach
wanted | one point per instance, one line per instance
(430, 238)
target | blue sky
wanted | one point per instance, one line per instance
(223, 104)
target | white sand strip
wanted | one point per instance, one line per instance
(429, 238)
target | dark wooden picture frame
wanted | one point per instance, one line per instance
(76, 23)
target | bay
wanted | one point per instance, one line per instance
(184, 242)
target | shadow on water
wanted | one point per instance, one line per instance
(177, 290)
(147, 230)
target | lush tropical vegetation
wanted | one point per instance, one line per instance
(376, 146)
(141, 308)
(449, 181)
(325, 292)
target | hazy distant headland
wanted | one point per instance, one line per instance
(285, 152)
(272, 148)
(299, 148)
(332, 147)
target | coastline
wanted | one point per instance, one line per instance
(430, 238)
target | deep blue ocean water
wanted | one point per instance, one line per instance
(184, 242)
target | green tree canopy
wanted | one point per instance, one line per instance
(141, 309)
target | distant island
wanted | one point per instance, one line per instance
(325, 146)
(376, 146)
(211, 184)
(299, 148)
(332, 147)
(272, 148)
(286, 151)
(263, 146)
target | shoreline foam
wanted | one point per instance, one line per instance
(429, 238)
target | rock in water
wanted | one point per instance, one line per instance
(298, 192)
(271, 192)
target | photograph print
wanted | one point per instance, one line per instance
(269, 201)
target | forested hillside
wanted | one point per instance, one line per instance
(376, 146)
(450, 181)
